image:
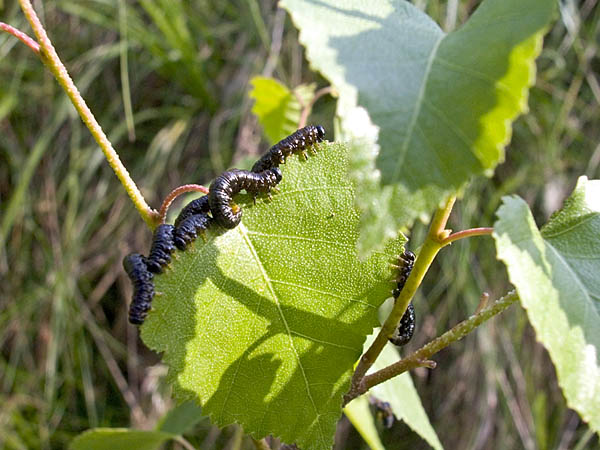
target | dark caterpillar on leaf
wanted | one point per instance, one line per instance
(161, 249)
(189, 228)
(229, 183)
(198, 206)
(297, 142)
(143, 287)
(403, 334)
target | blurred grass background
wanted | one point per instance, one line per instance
(168, 81)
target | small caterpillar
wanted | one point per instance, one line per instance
(406, 328)
(188, 229)
(383, 411)
(407, 261)
(295, 143)
(143, 287)
(198, 206)
(161, 249)
(229, 183)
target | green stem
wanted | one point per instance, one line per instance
(432, 245)
(50, 58)
(421, 357)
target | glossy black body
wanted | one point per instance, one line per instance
(189, 228)
(161, 249)
(226, 185)
(406, 328)
(198, 206)
(143, 287)
(297, 142)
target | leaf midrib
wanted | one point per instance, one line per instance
(418, 103)
(244, 232)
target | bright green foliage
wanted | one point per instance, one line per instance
(401, 394)
(359, 414)
(443, 103)
(276, 107)
(556, 273)
(119, 439)
(262, 324)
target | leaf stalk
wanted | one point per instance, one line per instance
(23, 37)
(483, 231)
(51, 59)
(176, 193)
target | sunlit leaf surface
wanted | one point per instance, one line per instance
(556, 272)
(443, 103)
(262, 324)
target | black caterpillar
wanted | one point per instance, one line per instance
(297, 142)
(226, 185)
(191, 221)
(406, 328)
(189, 228)
(143, 288)
(198, 206)
(194, 219)
(161, 249)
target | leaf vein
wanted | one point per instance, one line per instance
(478, 75)
(299, 238)
(418, 104)
(331, 344)
(570, 228)
(244, 232)
(331, 294)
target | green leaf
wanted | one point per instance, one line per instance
(404, 399)
(442, 103)
(119, 439)
(555, 272)
(276, 107)
(360, 416)
(262, 324)
(180, 419)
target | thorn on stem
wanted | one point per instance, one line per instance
(427, 363)
(483, 300)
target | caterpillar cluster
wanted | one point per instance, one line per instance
(218, 206)
(406, 328)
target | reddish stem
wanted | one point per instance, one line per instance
(306, 109)
(176, 193)
(483, 231)
(27, 40)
